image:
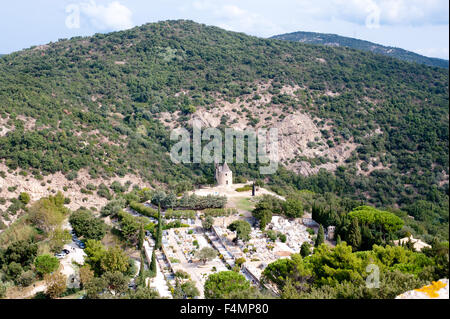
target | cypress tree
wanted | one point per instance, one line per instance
(158, 241)
(153, 265)
(409, 245)
(338, 240)
(320, 237)
(142, 271)
(354, 235)
(141, 237)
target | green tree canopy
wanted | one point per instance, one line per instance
(370, 215)
(206, 254)
(86, 225)
(242, 229)
(46, 264)
(320, 239)
(223, 284)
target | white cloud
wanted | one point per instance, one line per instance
(233, 11)
(234, 18)
(389, 12)
(201, 5)
(112, 17)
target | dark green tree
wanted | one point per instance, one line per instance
(153, 268)
(46, 264)
(224, 284)
(141, 281)
(293, 208)
(320, 239)
(354, 235)
(242, 229)
(305, 249)
(158, 240)
(141, 237)
(86, 225)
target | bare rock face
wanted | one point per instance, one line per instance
(301, 141)
(437, 290)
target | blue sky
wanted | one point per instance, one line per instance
(419, 26)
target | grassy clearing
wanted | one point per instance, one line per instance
(244, 204)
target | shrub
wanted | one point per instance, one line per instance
(26, 278)
(91, 187)
(245, 188)
(113, 207)
(24, 198)
(103, 191)
(179, 214)
(144, 210)
(272, 235)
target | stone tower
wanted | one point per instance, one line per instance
(330, 232)
(224, 176)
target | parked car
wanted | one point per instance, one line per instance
(66, 251)
(59, 256)
(81, 245)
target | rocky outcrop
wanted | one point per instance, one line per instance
(437, 290)
(301, 141)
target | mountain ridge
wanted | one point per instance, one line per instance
(330, 39)
(100, 103)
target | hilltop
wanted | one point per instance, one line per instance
(357, 124)
(335, 40)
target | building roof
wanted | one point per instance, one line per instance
(417, 243)
(225, 168)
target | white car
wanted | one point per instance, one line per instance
(59, 256)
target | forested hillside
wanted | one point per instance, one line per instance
(337, 40)
(97, 103)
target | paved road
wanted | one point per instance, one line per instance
(76, 254)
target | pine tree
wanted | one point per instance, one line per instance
(320, 237)
(354, 235)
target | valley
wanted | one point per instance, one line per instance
(85, 145)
